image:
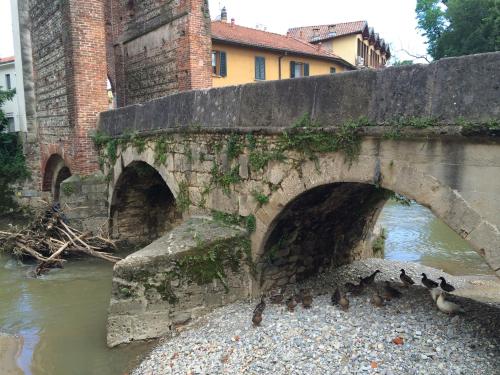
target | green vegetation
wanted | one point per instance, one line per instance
(68, 188)
(183, 199)
(13, 168)
(248, 222)
(161, 150)
(225, 180)
(260, 197)
(459, 27)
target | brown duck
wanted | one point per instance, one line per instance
(307, 300)
(428, 283)
(377, 300)
(390, 292)
(276, 297)
(354, 289)
(257, 318)
(336, 296)
(369, 279)
(405, 279)
(291, 303)
(260, 306)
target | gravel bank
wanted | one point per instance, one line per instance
(326, 340)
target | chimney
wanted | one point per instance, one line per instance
(315, 32)
(233, 21)
(223, 15)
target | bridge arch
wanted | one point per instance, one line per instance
(306, 210)
(55, 172)
(143, 199)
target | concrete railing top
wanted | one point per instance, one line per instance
(450, 90)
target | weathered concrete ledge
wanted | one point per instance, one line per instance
(198, 266)
(450, 90)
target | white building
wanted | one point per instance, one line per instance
(8, 82)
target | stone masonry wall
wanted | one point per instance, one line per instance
(170, 283)
(160, 47)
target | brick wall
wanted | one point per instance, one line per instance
(160, 47)
(69, 73)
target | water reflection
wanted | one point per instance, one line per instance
(414, 234)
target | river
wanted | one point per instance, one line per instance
(61, 317)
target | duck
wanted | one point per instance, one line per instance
(291, 303)
(354, 289)
(448, 307)
(344, 303)
(257, 318)
(376, 300)
(435, 294)
(407, 280)
(369, 279)
(261, 306)
(390, 292)
(307, 300)
(428, 283)
(336, 296)
(445, 286)
(276, 297)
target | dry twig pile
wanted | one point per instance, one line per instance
(50, 237)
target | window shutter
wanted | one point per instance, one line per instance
(260, 68)
(257, 68)
(263, 67)
(292, 69)
(306, 70)
(223, 64)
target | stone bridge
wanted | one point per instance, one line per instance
(263, 185)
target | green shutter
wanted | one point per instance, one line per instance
(223, 64)
(306, 70)
(263, 66)
(260, 68)
(292, 69)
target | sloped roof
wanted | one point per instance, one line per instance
(5, 60)
(325, 32)
(235, 34)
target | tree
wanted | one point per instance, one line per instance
(12, 163)
(459, 27)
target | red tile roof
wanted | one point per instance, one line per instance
(235, 34)
(328, 31)
(4, 60)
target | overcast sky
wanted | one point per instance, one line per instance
(394, 20)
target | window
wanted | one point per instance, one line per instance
(298, 69)
(219, 63)
(260, 68)
(8, 84)
(333, 70)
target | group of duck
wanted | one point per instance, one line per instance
(388, 292)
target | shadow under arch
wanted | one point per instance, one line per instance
(55, 172)
(324, 226)
(143, 208)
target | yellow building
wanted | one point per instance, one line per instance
(355, 42)
(242, 55)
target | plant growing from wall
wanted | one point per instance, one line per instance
(183, 199)
(12, 162)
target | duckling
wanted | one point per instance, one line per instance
(344, 303)
(448, 307)
(428, 283)
(435, 294)
(377, 300)
(369, 279)
(390, 292)
(276, 297)
(445, 286)
(257, 318)
(291, 303)
(336, 296)
(307, 300)
(356, 290)
(407, 280)
(261, 306)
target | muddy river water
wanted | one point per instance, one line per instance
(60, 318)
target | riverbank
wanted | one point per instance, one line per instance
(326, 340)
(10, 348)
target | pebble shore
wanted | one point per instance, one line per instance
(326, 340)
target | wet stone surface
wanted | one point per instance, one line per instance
(326, 340)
